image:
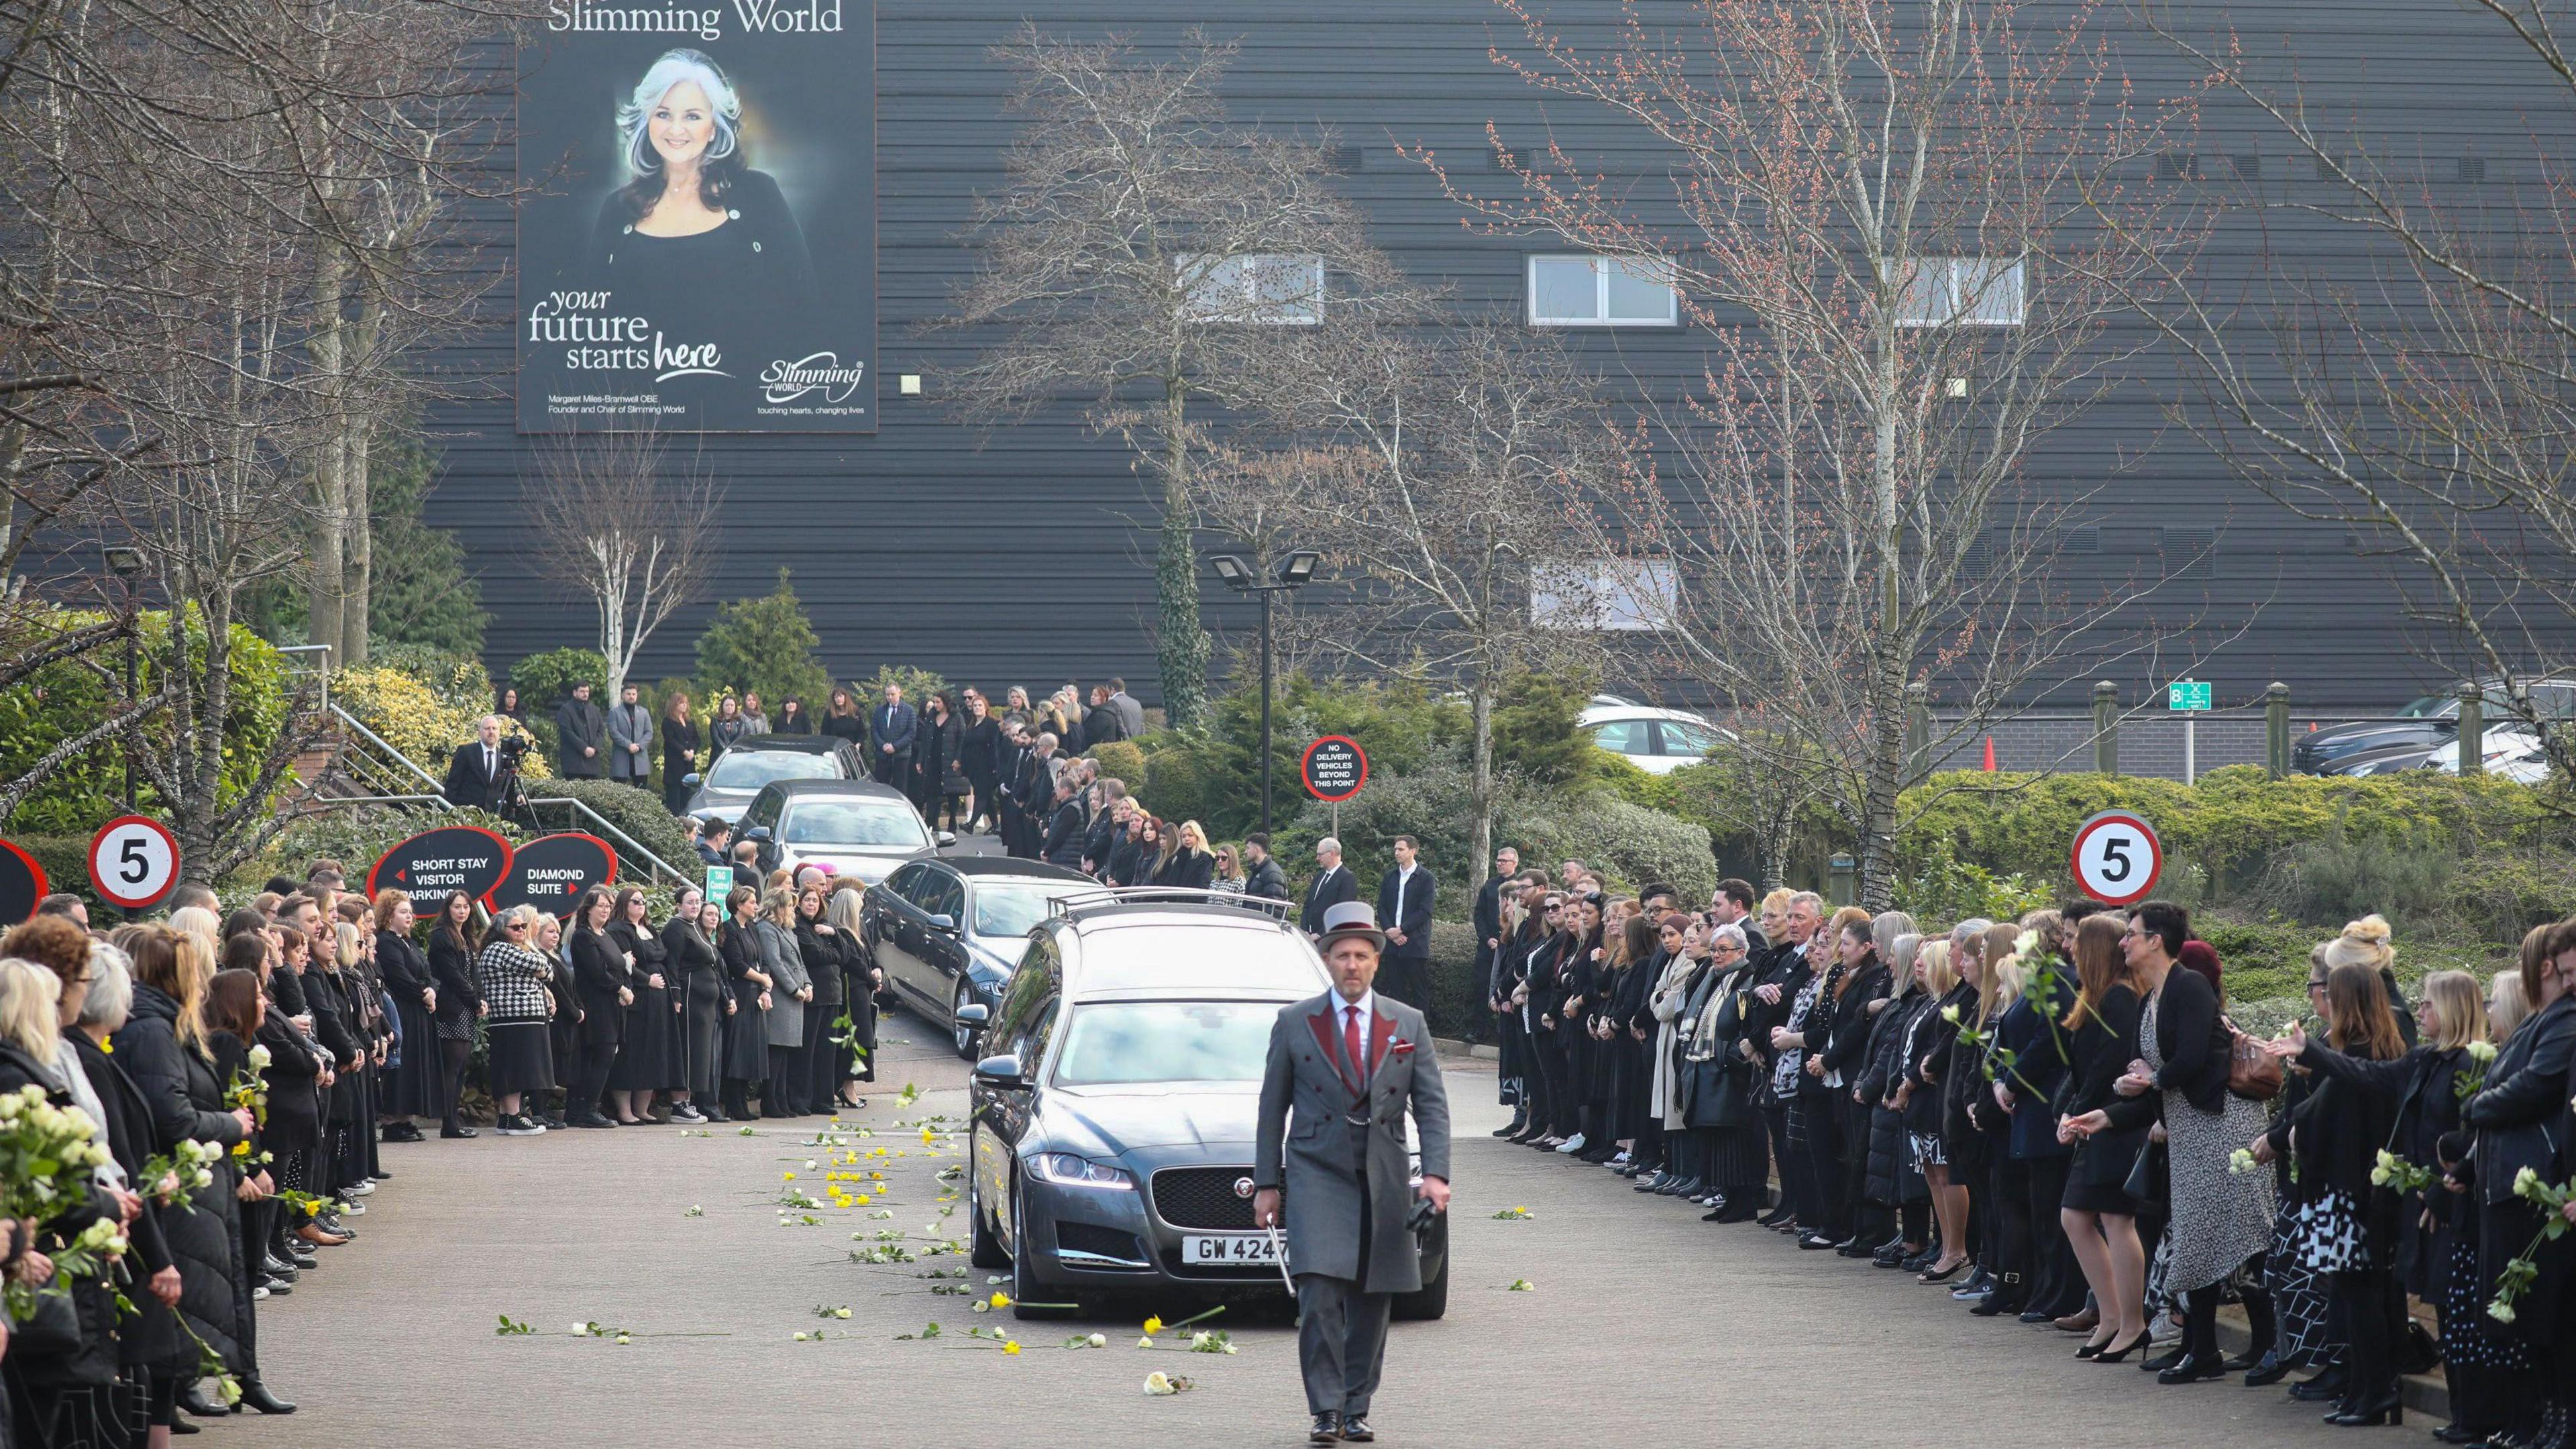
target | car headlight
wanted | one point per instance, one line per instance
(1066, 1170)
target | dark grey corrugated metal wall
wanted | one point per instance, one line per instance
(1025, 556)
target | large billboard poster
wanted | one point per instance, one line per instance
(697, 239)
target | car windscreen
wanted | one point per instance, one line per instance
(1129, 1043)
(1010, 908)
(1181, 956)
(751, 769)
(852, 822)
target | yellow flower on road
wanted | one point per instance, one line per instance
(1001, 1300)
(1153, 1325)
(1013, 1348)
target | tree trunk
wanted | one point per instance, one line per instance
(1181, 644)
(1480, 702)
(358, 556)
(326, 588)
(1890, 652)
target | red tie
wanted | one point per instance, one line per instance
(1351, 1041)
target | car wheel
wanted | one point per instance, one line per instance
(1024, 1277)
(1430, 1302)
(959, 1032)
(985, 1249)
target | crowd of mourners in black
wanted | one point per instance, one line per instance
(298, 1032)
(2055, 1120)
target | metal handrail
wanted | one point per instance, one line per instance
(626, 842)
(398, 757)
(1073, 900)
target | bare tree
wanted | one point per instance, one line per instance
(1143, 253)
(618, 524)
(1457, 471)
(1888, 237)
(2423, 402)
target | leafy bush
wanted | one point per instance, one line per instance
(1949, 889)
(421, 592)
(639, 813)
(2233, 823)
(1122, 760)
(1457, 1004)
(1633, 845)
(456, 677)
(765, 644)
(63, 698)
(546, 680)
(355, 838)
(1535, 735)
(918, 684)
(416, 719)
(2336, 878)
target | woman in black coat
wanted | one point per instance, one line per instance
(2520, 1121)
(1543, 999)
(150, 1343)
(746, 1049)
(2101, 1218)
(460, 1001)
(1859, 1000)
(1893, 1191)
(843, 720)
(679, 734)
(938, 774)
(412, 1085)
(979, 747)
(698, 989)
(829, 954)
(1193, 864)
(165, 1049)
(648, 1053)
(601, 972)
(792, 718)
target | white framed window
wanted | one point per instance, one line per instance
(1969, 291)
(1263, 289)
(1594, 291)
(1617, 595)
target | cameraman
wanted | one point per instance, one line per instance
(476, 772)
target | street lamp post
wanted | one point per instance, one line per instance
(128, 564)
(1292, 574)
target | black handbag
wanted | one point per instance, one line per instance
(2142, 1181)
(1717, 1096)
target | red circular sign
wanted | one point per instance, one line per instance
(22, 883)
(133, 861)
(1334, 769)
(2116, 858)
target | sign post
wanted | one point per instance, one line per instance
(2117, 858)
(2188, 698)
(133, 861)
(1333, 769)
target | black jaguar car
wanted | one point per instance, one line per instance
(1111, 1140)
(947, 933)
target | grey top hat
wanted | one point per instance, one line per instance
(1350, 920)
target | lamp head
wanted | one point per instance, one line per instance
(1298, 567)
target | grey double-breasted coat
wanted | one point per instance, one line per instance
(1305, 1145)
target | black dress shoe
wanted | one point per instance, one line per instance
(2266, 1373)
(194, 1401)
(2165, 1360)
(1512, 1128)
(1357, 1430)
(256, 1395)
(453, 1134)
(1777, 1216)
(1996, 1305)
(2193, 1370)
(1688, 1187)
(2036, 1315)
(1327, 1430)
(2460, 1434)
(1807, 1242)
(182, 1426)
(2389, 1408)
(1644, 1183)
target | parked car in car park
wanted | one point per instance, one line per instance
(1112, 1119)
(851, 827)
(2512, 754)
(948, 932)
(1657, 741)
(2427, 724)
(726, 790)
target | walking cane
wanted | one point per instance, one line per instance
(1279, 1256)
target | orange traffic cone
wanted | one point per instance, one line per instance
(1990, 754)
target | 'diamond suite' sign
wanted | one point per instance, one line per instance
(551, 872)
(698, 251)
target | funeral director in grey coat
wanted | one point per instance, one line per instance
(1349, 1062)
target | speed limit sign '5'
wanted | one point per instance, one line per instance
(2117, 858)
(133, 861)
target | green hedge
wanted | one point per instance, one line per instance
(640, 813)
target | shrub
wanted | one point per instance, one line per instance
(546, 680)
(1949, 889)
(1632, 844)
(639, 813)
(2336, 878)
(457, 678)
(1122, 760)
(1457, 1004)
(918, 684)
(765, 644)
(41, 711)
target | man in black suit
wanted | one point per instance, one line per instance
(1733, 906)
(1333, 884)
(1488, 911)
(892, 730)
(1063, 844)
(581, 737)
(1404, 903)
(474, 771)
